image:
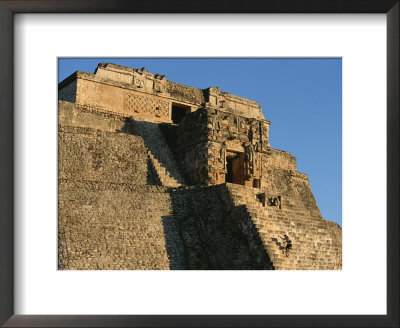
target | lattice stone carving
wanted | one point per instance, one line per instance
(146, 105)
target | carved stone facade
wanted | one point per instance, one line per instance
(146, 106)
(158, 175)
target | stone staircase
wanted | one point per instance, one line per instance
(159, 154)
(242, 195)
(312, 243)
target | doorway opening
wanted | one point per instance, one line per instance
(234, 169)
(229, 173)
(179, 112)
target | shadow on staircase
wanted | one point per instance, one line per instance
(207, 233)
(127, 128)
(159, 153)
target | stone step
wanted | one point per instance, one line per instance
(272, 223)
(165, 178)
(160, 154)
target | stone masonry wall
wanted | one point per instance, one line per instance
(113, 226)
(110, 214)
(223, 126)
(88, 154)
(86, 116)
(188, 143)
(185, 93)
(201, 141)
(278, 159)
(232, 104)
(234, 135)
(293, 189)
(123, 101)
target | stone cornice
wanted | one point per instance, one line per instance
(187, 94)
(92, 77)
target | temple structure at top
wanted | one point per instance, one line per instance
(216, 136)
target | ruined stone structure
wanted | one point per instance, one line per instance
(158, 175)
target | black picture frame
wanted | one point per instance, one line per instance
(7, 11)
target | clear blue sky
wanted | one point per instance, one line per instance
(301, 97)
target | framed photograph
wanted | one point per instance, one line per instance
(165, 150)
(149, 171)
